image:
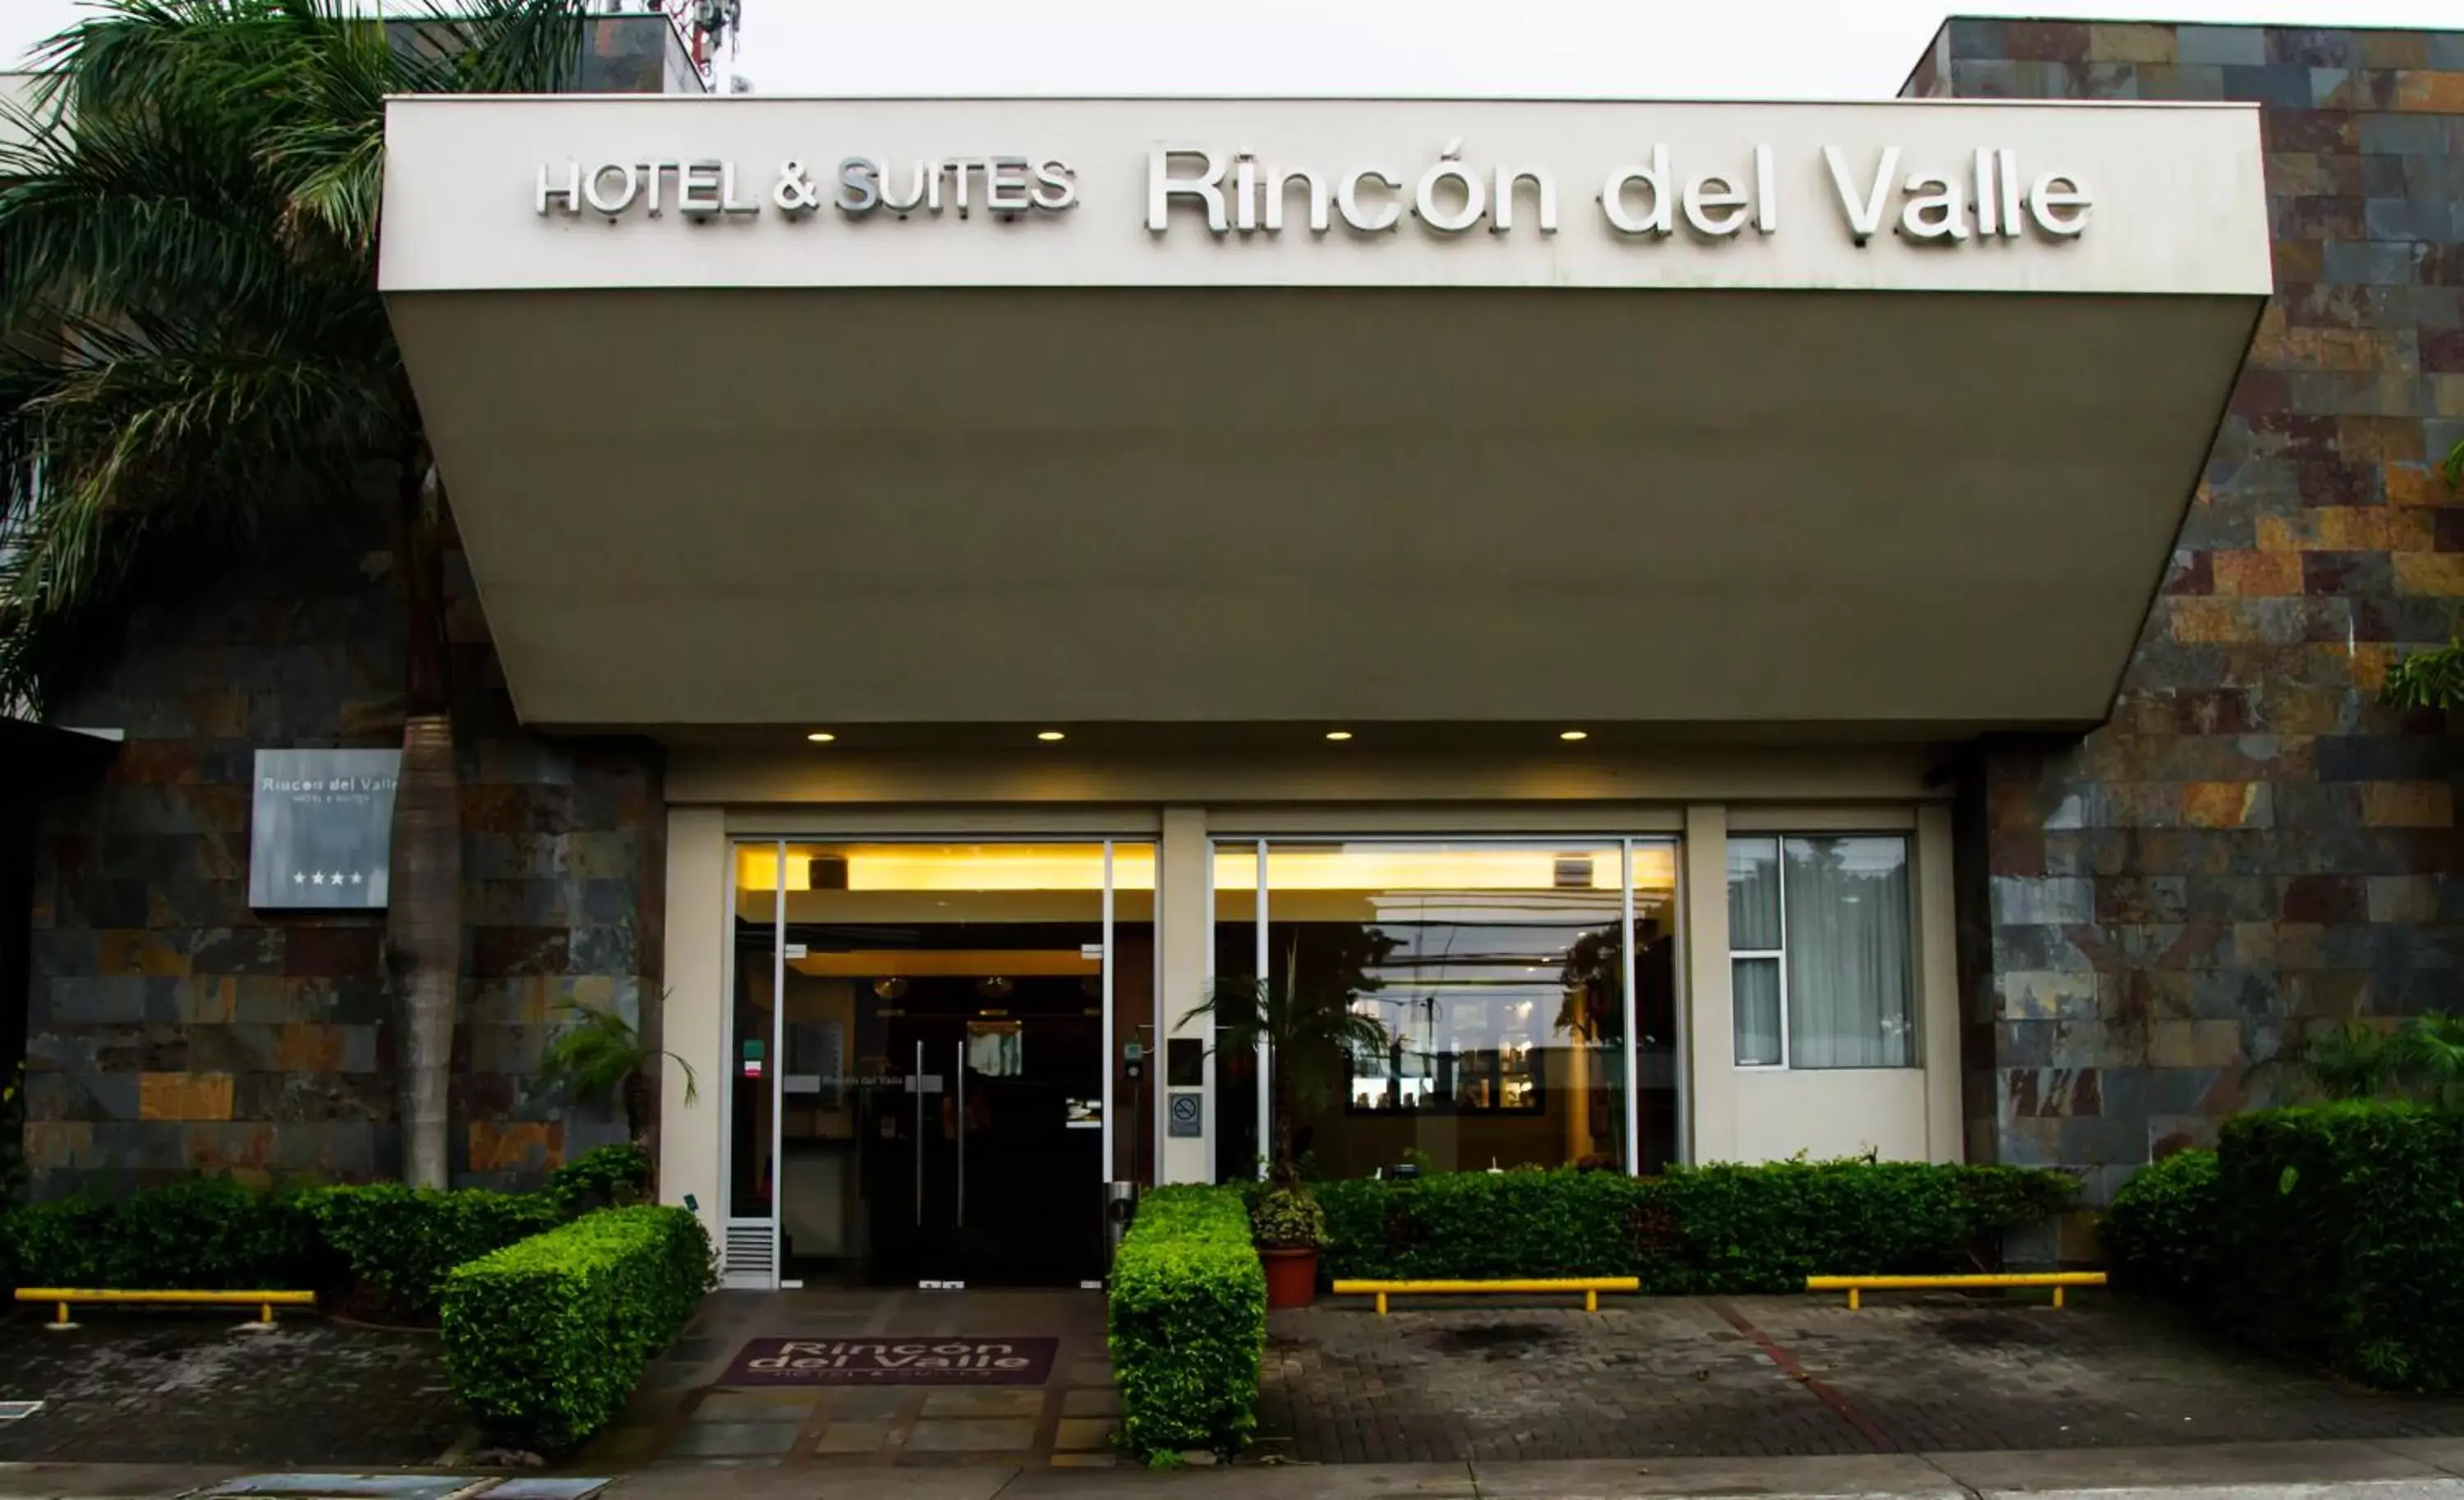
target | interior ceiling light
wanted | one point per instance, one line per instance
(1338, 734)
(1051, 735)
(820, 737)
(1574, 734)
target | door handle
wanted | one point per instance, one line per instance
(962, 1134)
(919, 1132)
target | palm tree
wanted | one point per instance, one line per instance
(195, 364)
(602, 1053)
(1311, 1032)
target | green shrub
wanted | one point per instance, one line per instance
(1714, 1230)
(2341, 1227)
(403, 1241)
(202, 1234)
(2159, 1234)
(546, 1338)
(1188, 1321)
(1287, 1219)
(609, 1176)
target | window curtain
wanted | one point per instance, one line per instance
(1848, 924)
(1753, 926)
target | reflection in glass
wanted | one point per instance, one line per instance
(1498, 974)
(955, 992)
(752, 1017)
(1239, 1145)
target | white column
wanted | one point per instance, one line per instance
(1938, 985)
(1711, 1020)
(694, 1012)
(1187, 930)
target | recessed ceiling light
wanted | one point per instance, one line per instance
(1338, 734)
(820, 737)
(1574, 734)
(1052, 734)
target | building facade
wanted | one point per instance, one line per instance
(1727, 631)
(2252, 844)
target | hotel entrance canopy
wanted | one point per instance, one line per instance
(1839, 418)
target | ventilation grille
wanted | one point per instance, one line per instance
(751, 1260)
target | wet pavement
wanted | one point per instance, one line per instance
(689, 1415)
(161, 1386)
(1454, 1379)
(1449, 1381)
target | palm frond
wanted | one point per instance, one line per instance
(192, 350)
(2432, 678)
(593, 1056)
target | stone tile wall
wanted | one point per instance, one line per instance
(171, 1029)
(2252, 844)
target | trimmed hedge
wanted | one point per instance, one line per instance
(205, 1234)
(2341, 1228)
(213, 1233)
(404, 1242)
(2160, 1233)
(548, 1338)
(1713, 1229)
(1188, 1322)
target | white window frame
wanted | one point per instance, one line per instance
(1778, 839)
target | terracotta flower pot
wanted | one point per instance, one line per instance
(1291, 1277)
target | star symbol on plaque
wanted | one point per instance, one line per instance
(355, 877)
(318, 878)
(298, 879)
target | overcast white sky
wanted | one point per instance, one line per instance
(1697, 49)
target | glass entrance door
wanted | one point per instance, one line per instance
(986, 1168)
(942, 1112)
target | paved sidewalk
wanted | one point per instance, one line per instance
(1451, 1384)
(692, 1414)
(2396, 1470)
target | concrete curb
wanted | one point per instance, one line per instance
(2416, 1469)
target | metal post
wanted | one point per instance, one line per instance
(1265, 1049)
(1111, 1058)
(777, 1058)
(1632, 1015)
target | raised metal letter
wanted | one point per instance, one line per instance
(1162, 186)
(1368, 221)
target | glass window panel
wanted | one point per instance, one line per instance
(1496, 972)
(1753, 896)
(1133, 1010)
(1239, 1147)
(752, 1018)
(968, 981)
(1756, 983)
(1848, 959)
(1655, 1011)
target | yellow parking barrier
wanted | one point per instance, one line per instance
(1854, 1286)
(265, 1302)
(1591, 1286)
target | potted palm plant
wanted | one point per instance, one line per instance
(1310, 1034)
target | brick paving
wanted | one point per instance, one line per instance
(1450, 1382)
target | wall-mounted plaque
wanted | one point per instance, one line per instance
(321, 829)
